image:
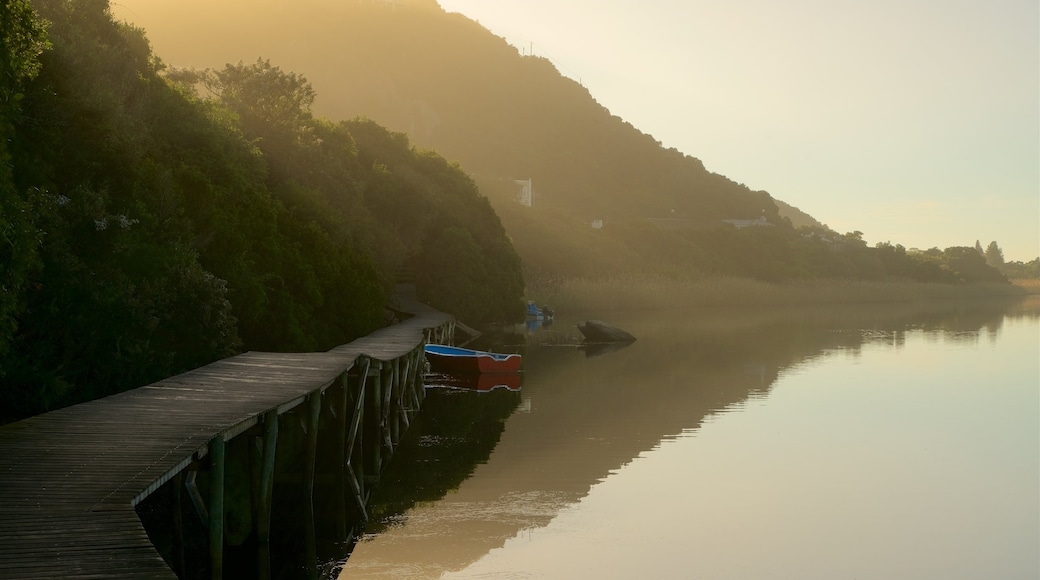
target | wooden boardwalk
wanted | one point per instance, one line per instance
(69, 479)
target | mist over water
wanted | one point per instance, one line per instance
(782, 444)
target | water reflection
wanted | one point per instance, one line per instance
(474, 381)
(592, 415)
(602, 348)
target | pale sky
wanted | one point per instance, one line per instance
(913, 121)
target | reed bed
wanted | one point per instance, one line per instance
(1031, 286)
(649, 292)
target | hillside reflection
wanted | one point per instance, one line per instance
(585, 417)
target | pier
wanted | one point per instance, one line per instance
(70, 479)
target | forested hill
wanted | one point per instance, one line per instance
(146, 229)
(455, 87)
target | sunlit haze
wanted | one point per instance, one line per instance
(916, 122)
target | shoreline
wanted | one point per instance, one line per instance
(630, 292)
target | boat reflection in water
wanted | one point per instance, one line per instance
(595, 349)
(474, 381)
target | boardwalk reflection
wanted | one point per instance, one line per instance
(590, 416)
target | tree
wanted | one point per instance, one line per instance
(994, 255)
(1021, 271)
(22, 40)
(269, 102)
(978, 248)
(855, 238)
(969, 266)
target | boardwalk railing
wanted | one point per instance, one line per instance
(70, 479)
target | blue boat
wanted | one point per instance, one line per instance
(453, 359)
(536, 313)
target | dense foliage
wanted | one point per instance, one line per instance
(994, 257)
(148, 230)
(1022, 270)
(22, 41)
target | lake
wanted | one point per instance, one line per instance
(873, 442)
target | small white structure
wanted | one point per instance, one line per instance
(525, 196)
(393, 4)
(741, 224)
(597, 224)
(673, 223)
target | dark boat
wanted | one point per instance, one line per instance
(453, 359)
(599, 331)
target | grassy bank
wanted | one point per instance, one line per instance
(635, 292)
(1030, 286)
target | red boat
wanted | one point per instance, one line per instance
(453, 359)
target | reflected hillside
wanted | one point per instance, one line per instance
(590, 416)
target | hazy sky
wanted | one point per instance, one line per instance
(913, 121)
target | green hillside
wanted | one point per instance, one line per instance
(147, 229)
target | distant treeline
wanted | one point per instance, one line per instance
(1022, 270)
(1014, 270)
(775, 252)
(785, 253)
(153, 221)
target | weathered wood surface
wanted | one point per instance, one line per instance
(69, 479)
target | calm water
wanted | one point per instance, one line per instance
(872, 443)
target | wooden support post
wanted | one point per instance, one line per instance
(312, 454)
(255, 450)
(395, 402)
(420, 381)
(266, 495)
(407, 391)
(388, 390)
(216, 507)
(415, 380)
(342, 425)
(178, 525)
(420, 369)
(374, 417)
(356, 478)
(356, 439)
(343, 419)
(404, 396)
(192, 487)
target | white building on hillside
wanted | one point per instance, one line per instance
(525, 196)
(741, 224)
